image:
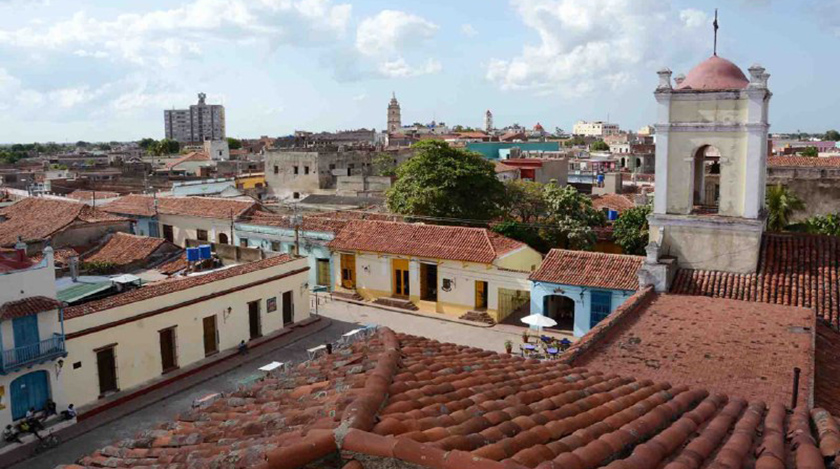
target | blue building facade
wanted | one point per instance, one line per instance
(313, 246)
(588, 306)
(578, 289)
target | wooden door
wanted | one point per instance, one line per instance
(400, 278)
(106, 364)
(348, 271)
(168, 234)
(211, 338)
(254, 325)
(28, 391)
(323, 272)
(168, 360)
(288, 308)
(480, 295)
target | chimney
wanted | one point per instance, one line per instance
(20, 250)
(74, 268)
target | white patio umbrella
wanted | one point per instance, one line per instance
(539, 321)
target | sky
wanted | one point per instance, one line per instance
(103, 70)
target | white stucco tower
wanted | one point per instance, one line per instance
(711, 158)
(488, 121)
(394, 118)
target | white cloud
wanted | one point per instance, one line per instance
(468, 30)
(585, 46)
(694, 18)
(360, 97)
(165, 36)
(386, 38)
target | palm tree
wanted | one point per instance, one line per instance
(781, 203)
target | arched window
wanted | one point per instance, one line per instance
(705, 181)
(223, 238)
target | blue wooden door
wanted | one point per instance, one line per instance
(26, 337)
(600, 308)
(30, 390)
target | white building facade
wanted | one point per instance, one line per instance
(595, 129)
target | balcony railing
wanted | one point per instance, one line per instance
(42, 351)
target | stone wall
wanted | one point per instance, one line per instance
(819, 188)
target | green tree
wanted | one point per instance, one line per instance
(824, 224)
(781, 205)
(527, 233)
(630, 231)
(163, 147)
(571, 218)
(146, 143)
(599, 145)
(832, 135)
(442, 181)
(525, 201)
(385, 164)
(234, 144)
(810, 151)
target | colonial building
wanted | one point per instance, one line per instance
(595, 129)
(445, 269)
(712, 123)
(579, 289)
(31, 336)
(119, 343)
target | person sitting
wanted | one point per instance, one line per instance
(49, 409)
(11, 435)
(30, 413)
(26, 427)
(69, 414)
(243, 348)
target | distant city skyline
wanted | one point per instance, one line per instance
(95, 71)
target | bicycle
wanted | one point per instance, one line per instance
(47, 443)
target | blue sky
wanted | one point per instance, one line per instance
(105, 70)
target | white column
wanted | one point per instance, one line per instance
(663, 130)
(756, 162)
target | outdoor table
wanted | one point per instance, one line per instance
(272, 366)
(350, 335)
(313, 352)
(529, 347)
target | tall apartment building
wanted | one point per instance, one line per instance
(595, 129)
(200, 122)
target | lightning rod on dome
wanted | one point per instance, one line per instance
(715, 24)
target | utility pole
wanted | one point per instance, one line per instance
(296, 220)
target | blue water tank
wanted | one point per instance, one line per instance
(192, 254)
(204, 251)
(612, 215)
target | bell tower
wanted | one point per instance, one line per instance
(711, 160)
(394, 118)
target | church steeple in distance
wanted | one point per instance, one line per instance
(394, 117)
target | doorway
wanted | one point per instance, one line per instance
(288, 308)
(561, 309)
(211, 335)
(348, 271)
(254, 324)
(28, 391)
(168, 358)
(480, 295)
(428, 282)
(168, 233)
(223, 238)
(322, 272)
(106, 365)
(400, 278)
(25, 332)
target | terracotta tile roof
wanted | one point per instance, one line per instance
(726, 346)
(60, 256)
(28, 307)
(166, 287)
(795, 270)
(192, 156)
(123, 249)
(589, 269)
(174, 266)
(503, 168)
(617, 202)
(85, 196)
(827, 369)
(422, 403)
(36, 218)
(804, 162)
(202, 207)
(431, 241)
(309, 223)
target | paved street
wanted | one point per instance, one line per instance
(492, 338)
(165, 410)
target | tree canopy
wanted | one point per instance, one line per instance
(442, 181)
(810, 151)
(571, 218)
(599, 145)
(163, 147)
(630, 231)
(832, 135)
(824, 224)
(781, 205)
(234, 144)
